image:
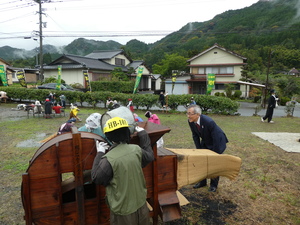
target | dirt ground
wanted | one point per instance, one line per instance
(213, 209)
(204, 207)
(8, 113)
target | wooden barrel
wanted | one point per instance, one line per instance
(48, 192)
(57, 187)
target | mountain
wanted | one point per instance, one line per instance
(83, 46)
(265, 23)
(8, 53)
(79, 46)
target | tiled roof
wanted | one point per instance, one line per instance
(136, 64)
(294, 70)
(25, 69)
(81, 62)
(104, 54)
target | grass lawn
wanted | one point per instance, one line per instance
(266, 191)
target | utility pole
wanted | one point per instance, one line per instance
(41, 76)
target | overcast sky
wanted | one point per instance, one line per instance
(118, 20)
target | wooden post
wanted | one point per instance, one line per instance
(78, 173)
(155, 187)
(26, 198)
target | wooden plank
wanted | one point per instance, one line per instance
(45, 166)
(26, 198)
(197, 164)
(78, 174)
(58, 177)
(44, 192)
(155, 187)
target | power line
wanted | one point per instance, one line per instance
(9, 2)
(22, 16)
(91, 35)
(18, 6)
(132, 33)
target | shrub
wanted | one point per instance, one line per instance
(284, 100)
(256, 99)
(216, 104)
(289, 108)
(113, 86)
(237, 94)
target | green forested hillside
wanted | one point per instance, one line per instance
(255, 29)
(83, 46)
(267, 33)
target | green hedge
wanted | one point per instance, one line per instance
(113, 86)
(214, 104)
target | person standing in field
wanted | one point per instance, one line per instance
(272, 103)
(206, 135)
(119, 169)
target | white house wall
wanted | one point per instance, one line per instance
(145, 70)
(69, 76)
(158, 84)
(180, 87)
(220, 58)
(120, 56)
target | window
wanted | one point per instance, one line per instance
(223, 87)
(120, 62)
(201, 70)
(219, 87)
(226, 70)
(216, 70)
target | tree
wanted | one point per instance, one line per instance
(169, 63)
(288, 86)
(119, 75)
(130, 71)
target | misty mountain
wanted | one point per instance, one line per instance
(265, 23)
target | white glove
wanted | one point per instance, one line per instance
(138, 129)
(101, 146)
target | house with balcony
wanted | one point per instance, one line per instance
(225, 64)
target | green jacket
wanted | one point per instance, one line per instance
(127, 191)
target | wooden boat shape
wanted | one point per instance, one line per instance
(57, 188)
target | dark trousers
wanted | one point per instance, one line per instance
(213, 182)
(269, 114)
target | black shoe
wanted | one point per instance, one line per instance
(212, 189)
(199, 185)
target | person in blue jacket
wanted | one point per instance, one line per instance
(206, 135)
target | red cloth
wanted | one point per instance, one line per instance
(57, 109)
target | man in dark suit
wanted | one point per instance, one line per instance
(206, 135)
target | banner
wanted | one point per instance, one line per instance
(138, 79)
(174, 76)
(58, 84)
(210, 82)
(87, 80)
(3, 75)
(21, 78)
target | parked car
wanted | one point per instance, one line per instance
(64, 87)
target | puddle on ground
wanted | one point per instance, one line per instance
(12, 118)
(35, 142)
